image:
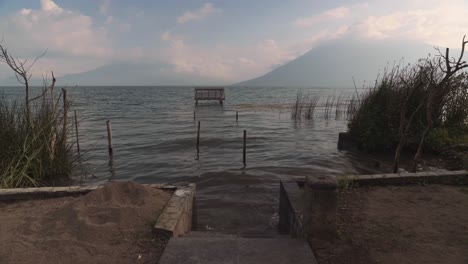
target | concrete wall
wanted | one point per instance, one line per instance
(306, 212)
(439, 177)
(175, 220)
(291, 209)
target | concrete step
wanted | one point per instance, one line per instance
(234, 235)
(220, 250)
(211, 234)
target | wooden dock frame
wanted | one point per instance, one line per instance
(209, 93)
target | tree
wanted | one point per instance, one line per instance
(439, 88)
(426, 85)
(21, 69)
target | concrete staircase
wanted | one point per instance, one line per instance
(216, 248)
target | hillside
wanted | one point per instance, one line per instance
(335, 64)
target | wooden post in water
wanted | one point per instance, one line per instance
(245, 149)
(194, 116)
(65, 114)
(237, 116)
(52, 95)
(109, 137)
(76, 130)
(198, 137)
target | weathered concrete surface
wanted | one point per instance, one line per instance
(54, 192)
(439, 177)
(44, 192)
(176, 218)
(320, 207)
(227, 249)
(291, 208)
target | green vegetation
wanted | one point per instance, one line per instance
(415, 106)
(346, 183)
(376, 123)
(304, 106)
(308, 106)
(35, 149)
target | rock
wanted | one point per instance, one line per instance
(461, 147)
(453, 159)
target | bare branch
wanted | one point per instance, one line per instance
(447, 61)
(462, 51)
(36, 59)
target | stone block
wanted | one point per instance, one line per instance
(320, 208)
(176, 218)
(291, 203)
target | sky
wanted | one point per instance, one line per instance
(232, 40)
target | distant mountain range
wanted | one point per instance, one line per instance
(333, 64)
(127, 74)
(137, 74)
(337, 63)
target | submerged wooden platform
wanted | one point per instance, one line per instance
(209, 93)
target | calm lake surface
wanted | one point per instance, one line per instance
(154, 137)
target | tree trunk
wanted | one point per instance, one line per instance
(396, 160)
(430, 123)
(403, 133)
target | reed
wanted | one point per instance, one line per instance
(34, 142)
(311, 106)
(304, 107)
(338, 110)
(352, 107)
(329, 107)
(339, 107)
(296, 107)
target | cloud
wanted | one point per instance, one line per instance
(174, 40)
(50, 6)
(441, 23)
(313, 40)
(336, 13)
(76, 43)
(230, 63)
(70, 37)
(199, 14)
(104, 7)
(110, 20)
(121, 26)
(428, 23)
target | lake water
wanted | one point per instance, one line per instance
(154, 138)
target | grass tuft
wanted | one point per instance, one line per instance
(35, 147)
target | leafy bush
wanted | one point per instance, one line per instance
(376, 122)
(438, 139)
(372, 123)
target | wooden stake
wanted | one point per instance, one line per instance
(194, 116)
(237, 116)
(109, 137)
(245, 148)
(65, 113)
(77, 138)
(198, 136)
(52, 95)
